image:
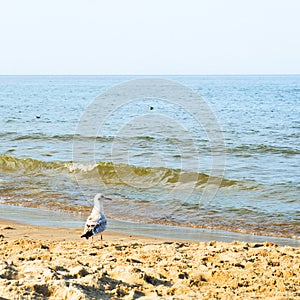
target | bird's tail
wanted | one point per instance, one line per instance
(88, 234)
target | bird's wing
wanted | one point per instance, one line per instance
(101, 225)
(95, 223)
(90, 223)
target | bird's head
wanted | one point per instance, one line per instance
(99, 197)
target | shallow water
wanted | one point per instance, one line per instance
(43, 217)
(149, 166)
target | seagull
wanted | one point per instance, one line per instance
(96, 222)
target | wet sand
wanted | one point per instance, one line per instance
(54, 263)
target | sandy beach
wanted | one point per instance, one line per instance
(54, 263)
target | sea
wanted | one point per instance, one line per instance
(217, 153)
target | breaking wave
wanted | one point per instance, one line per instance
(110, 173)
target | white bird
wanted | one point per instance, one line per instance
(96, 222)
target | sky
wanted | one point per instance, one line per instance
(149, 37)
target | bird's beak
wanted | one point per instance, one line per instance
(106, 198)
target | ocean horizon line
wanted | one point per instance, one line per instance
(164, 74)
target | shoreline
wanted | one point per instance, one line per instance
(43, 217)
(40, 262)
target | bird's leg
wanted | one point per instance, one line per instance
(101, 244)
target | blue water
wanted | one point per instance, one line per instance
(260, 121)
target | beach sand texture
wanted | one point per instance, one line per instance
(54, 263)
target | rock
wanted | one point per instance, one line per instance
(78, 272)
(133, 260)
(44, 247)
(42, 289)
(183, 275)
(8, 228)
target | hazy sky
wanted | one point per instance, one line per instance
(149, 37)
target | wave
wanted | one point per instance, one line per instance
(72, 137)
(65, 137)
(112, 173)
(262, 149)
(242, 150)
(27, 165)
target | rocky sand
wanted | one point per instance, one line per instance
(54, 263)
